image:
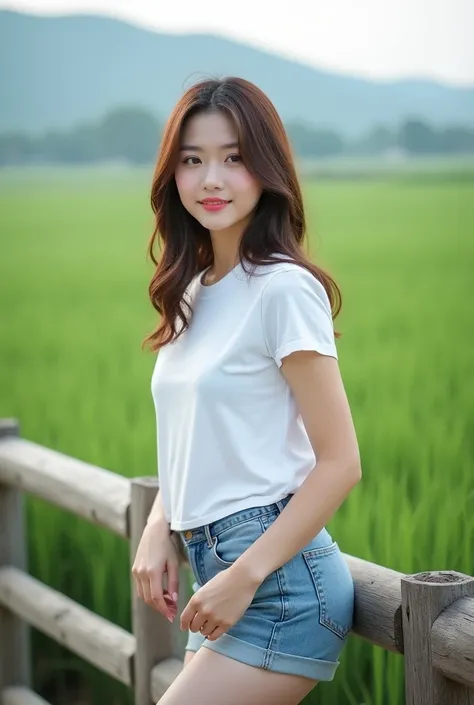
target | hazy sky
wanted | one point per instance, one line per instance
(373, 38)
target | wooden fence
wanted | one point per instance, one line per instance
(428, 617)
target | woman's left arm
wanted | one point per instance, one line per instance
(316, 383)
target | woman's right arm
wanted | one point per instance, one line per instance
(157, 513)
(156, 556)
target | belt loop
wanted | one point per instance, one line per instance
(208, 536)
(280, 505)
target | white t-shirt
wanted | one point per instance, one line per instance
(230, 435)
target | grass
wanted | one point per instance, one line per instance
(73, 293)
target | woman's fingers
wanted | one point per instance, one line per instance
(146, 589)
(203, 625)
(138, 586)
(196, 622)
(171, 605)
(149, 569)
(208, 628)
(149, 589)
(205, 629)
(173, 579)
(215, 634)
(157, 599)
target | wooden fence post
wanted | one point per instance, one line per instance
(156, 638)
(15, 664)
(424, 597)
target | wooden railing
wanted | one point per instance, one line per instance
(428, 617)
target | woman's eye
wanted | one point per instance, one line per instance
(235, 158)
(191, 160)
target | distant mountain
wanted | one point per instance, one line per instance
(56, 72)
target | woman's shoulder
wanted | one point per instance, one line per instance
(286, 273)
(289, 284)
(280, 264)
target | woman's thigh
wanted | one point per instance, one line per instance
(188, 657)
(211, 678)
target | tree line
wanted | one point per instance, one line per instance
(132, 135)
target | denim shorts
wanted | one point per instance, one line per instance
(301, 615)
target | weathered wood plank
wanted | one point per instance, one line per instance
(452, 642)
(9, 427)
(424, 597)
(101, 496)
(15, 664)
(378, 604)
(163, 675)
(103, 644)
(17, 695)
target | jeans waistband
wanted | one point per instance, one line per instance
(209, 531)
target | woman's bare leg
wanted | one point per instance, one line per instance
(188, 657)
(213, 679)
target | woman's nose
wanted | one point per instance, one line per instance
(212, 177)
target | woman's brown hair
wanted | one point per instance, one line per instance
(278, 225)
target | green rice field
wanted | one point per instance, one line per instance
(74, 310)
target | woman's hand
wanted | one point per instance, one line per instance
(156, 556)
(219, 604)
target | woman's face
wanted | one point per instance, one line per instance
(213, 183)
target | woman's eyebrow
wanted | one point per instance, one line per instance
(195, 148)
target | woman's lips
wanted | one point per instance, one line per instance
(213, 204)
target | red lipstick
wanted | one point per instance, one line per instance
(213, 204)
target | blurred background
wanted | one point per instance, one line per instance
(378, 101)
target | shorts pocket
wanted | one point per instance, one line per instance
(232, 542)
(334, 587)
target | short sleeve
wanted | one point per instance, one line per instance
(296, 315)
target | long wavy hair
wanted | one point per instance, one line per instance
(278, 225)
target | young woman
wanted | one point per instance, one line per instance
(256, 445)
